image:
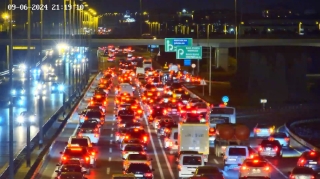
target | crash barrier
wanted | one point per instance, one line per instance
(294, 136)
(20, 158)
(34, 170)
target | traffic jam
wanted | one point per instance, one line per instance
(151, 103)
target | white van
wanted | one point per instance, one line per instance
(171, 141)
(188, 163)
(125, 88)
(147, 64)
(234, 156)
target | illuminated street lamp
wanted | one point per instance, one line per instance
(5, 16)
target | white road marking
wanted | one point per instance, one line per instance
(112, 129)
(216, 161)
(110, 150)
(110, 141)
(108, 171)
(154, 150)
(111, 135)
(109, 159)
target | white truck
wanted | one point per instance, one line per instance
(139, 70)
(125, 88)
(194, 137)
(147, 64)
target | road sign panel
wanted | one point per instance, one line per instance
(225, 99)
(203, 82)
(184, 52)
(187, 62)
(170, 44)
(153, 46)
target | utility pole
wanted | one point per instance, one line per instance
(141, 17)
(65, 19)
(28, 64)
(41, 33)
(11, 159)
(210, 67)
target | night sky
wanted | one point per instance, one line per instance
(133, 5)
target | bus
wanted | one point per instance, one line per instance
(222, 114)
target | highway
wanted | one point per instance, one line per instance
(110, 162)
(51, 103)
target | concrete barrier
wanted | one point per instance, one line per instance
(298, 139)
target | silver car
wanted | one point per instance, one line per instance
(282, 137)
(255, 168)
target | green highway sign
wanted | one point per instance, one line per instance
(193, 52)
(170, 44)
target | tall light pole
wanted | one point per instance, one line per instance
(65, 19)
(41, 31)
(140, 17)
(11, 159)
(236, 27)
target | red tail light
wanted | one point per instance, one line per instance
(91, 102)
(179, 167)
(117, 134)
(96, 129)
(302, 162)
(139, 111)
(145, 138)
(256, 130)
(80, 134)
(93, 153)
(260, 148)
(276, 149)
(148, 174)
(87, 159)
(267, 168)
(64, 158)
(244, 168)
(143, 153)
(271, 138)
(287, 139)
(105, 103)
(292, 176)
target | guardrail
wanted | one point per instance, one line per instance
(296, 137)
(37, 64)
(20, 158)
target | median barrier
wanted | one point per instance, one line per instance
(34, 169)
(296, 137)
(20, 158)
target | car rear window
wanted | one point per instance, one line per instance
(191, 160)
(237, 151)
(302, 170)
(255, 164)
(93, 114)
(175, 135)
(133, 148)
(137, 157)
(81, 142)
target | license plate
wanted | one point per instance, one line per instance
(302, 177)
(268, 148)
(175, 147)
(256, 171)
(312, 162)
(138, 175)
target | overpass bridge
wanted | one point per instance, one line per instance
(220, 43)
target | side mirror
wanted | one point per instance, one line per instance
(61, 152)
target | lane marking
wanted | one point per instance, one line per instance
(110, 141)
(108, 171)
(216, 161)
(112, 129)
(273, 166)
(111, 135)
(109, 159)
(110, 150)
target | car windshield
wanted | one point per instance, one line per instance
(191, 160)
(237, 151)
(137, 157)
(208, 170)
(93, 114)
(80, 142)
(126, 118)
(256, 164)
(71, 168)
(302, 170)
(133, 148)
(75, 152)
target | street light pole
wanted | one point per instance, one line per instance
(65, 19)
(40, 116)
(41, 32)
(140, 17)
(28, 162)
(11, 159)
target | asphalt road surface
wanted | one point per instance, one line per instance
(110, 162)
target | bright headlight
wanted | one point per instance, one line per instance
(13, 92)
(61, 87)
(20, 119)
(23, 91)
(32, 118)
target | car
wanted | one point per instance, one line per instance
(137, 158)
(302, 172)
(310, 159)
(281, 137)
(52, 77)
(263, 130)
(25, 117)
(57, 88)
(127, 141)
(271, 148)
(67, 168)
(91, 129)
(132, 149)
(140, 170)
(208, 171)
(255, 168)
(72, 175)
(86, 157)
(18, 91)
